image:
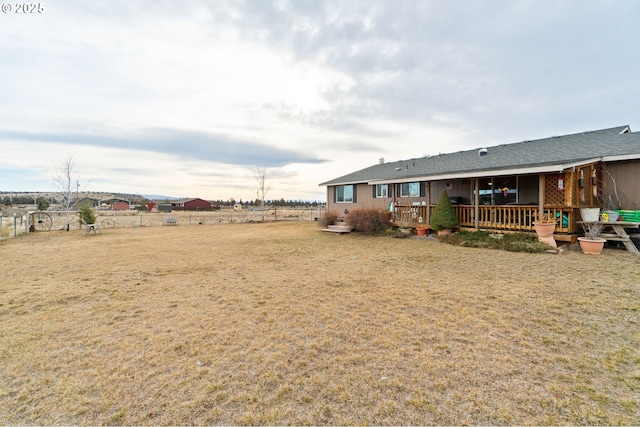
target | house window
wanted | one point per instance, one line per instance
(498, 190)
(344, 194)
(410, 189)
(382, 191)
(505, 190)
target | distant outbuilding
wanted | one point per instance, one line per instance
(191, 204)
(120, 206)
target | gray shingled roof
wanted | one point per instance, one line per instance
(556, 150)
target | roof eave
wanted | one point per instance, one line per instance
(491, 172)
(329, 183)
(621, 157)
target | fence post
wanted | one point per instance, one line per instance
(15, 225)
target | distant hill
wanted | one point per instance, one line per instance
(160, 197)
(98, 195)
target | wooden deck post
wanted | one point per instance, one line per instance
(541, 184)
(476, 203)
(428, 219)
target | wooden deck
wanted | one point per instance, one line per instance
(499, 218)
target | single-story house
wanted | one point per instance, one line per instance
(191, 204)
(504, 187)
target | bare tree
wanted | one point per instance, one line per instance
(609, 197)
(64, 181)
(263, 186)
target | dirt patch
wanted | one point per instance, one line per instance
(278, 323)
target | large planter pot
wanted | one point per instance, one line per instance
(545, 233)
(591, 247)
(421, 231)
(590, 214)
(444, 232)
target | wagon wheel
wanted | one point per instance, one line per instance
(42, 221)
(108, 223)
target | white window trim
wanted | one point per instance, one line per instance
(378, 188)
(344, 201)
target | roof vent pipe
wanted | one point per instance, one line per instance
(482, 152)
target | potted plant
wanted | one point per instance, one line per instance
(545, 225)
(444, 216)
(591, 243)
(590, 214)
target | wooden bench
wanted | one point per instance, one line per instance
(170, 220)
(91, 227)
(620, 235)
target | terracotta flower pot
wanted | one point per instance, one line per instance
(545, 233)
(444, 232)
(421, 231)
(591, 247)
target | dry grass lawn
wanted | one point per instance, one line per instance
(280, 324)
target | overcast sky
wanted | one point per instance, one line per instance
(187, 98)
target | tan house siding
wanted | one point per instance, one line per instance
(364, 198)
(627, 176)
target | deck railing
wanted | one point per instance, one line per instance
(504, 217)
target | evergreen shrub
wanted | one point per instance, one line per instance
(443, 216)
(87, 214)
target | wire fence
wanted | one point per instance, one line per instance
(14, 222)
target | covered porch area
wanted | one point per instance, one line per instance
(510, 203)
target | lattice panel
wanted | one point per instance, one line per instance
(553, 195)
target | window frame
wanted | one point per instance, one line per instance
(492, 190)
(410, 185)
(378, 192)
(344, 198)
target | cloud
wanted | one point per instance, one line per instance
(178, 143)
(317, 88)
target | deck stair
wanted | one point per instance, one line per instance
(338, 228)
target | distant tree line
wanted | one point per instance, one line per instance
(26, 200)
(44, 203)
(275, 202)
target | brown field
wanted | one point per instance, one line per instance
(277, 323)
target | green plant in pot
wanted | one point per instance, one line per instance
(444, 216)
